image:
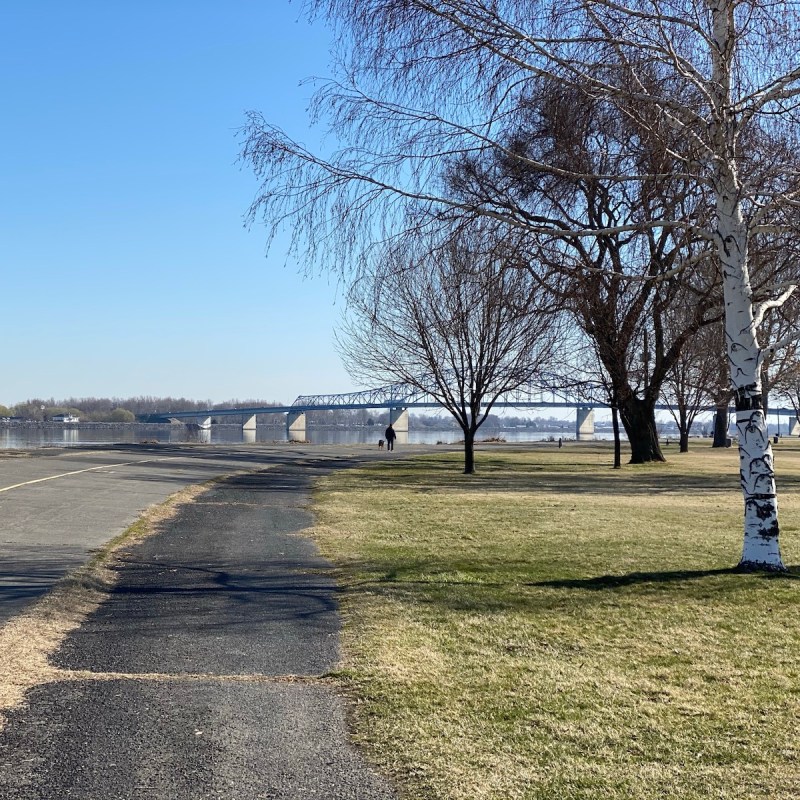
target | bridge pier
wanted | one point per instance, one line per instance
(296, 426)
(584, 423)
(398, 419)
(196, 430)
(249, 430)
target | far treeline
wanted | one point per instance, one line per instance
(115, 409)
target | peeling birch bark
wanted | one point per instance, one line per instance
(761, 545)
(761, 548)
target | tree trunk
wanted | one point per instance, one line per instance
(617, 445)
(760, 549)
(683, 428)
(639, 420)
(469, 452)
(721, 425)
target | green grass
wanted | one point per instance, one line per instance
(552, 628)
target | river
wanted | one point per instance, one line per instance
(17, 435)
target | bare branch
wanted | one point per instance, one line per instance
(766, 305)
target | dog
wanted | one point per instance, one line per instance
(380, 444)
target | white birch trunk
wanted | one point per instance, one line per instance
(761, 549)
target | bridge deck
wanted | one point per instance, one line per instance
(303, 408)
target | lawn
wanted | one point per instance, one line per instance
(552, 628)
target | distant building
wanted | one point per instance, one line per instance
(65, 418)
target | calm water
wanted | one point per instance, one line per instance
(30, 435)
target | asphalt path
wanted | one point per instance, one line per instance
(57, 506)
(202, 675)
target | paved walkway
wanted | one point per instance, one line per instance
(205, 667)
(58, 506)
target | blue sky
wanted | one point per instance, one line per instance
(126, 266)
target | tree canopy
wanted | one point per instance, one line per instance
(696, 97)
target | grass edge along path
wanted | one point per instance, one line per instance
(28, 639)
(551, 628)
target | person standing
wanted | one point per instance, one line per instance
(390, 436)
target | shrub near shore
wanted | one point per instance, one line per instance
(551, 628)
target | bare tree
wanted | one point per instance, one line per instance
(780, 367)
(742, 58)
(424, 82)
(461, 321)
(689, 387)
(621, 283)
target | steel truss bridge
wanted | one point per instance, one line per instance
(578, 395)
(404, 396)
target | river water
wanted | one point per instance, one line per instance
(32, 435)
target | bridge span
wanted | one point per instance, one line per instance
(396, 398)
(584, 398)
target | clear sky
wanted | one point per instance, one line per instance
(126, 266)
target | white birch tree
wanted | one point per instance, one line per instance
(424, 82)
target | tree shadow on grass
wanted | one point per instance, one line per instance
(602, 582)
(573, 483)
(479, 593)
(497, 475)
